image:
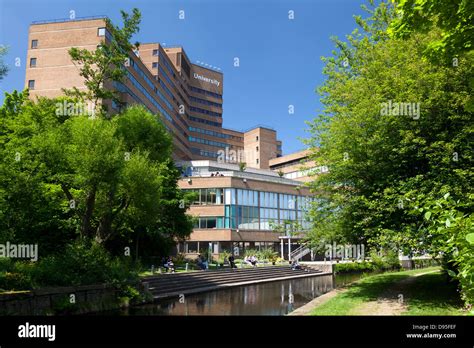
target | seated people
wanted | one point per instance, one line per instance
(253, 261)
(295, 265)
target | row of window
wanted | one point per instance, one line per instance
(162, 73)
(209, 222)
(206, 112)
(208, 196)
(243, 197)
(200, 120)
(124, 89)
(203, 91)
(204, 153)
(205, 102)
(166, 64)
(150, 83)
(207, 142)
(209, 132)
(166, 89)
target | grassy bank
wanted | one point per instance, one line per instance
(397, 293)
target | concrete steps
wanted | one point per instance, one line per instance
(169, 285)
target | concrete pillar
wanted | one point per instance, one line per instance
(282, 247)
(289, 249)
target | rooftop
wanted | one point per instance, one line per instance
(206, 168)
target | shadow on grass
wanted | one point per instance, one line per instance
(433, 294)
(369, 289)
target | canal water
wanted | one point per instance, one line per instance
(274, 298)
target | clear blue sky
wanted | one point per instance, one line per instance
(279, 58)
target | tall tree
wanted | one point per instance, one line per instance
(395, 134)
(105, 65)
(3, 66)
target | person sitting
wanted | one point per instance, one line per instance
(200, 262)
(171, 265)
(165, 262)
(295, 265)
(253, 261)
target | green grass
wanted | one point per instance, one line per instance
(420, 297)
(433, 294)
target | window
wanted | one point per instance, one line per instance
(154, 65)
(257, 149)
(257, 160)
(155, 52)
(101, 32)
(34, 43)
(31, 84)
(32, 62)
(256, 137)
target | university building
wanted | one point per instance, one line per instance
(236, 208)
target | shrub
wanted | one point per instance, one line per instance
(84, 263)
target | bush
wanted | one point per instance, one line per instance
(388, 262)
(354, 267)
(81, 264)
(15, 275)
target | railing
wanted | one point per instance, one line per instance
(62, 20)
(299, 252)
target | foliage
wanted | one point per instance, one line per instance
(445, 219)
(454, 17)
(377, 264)
(83, 263)
(384, 168)
(3, 66)
(104, 65)
(108, 180)
(79, 264)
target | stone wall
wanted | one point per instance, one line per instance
(60, 300)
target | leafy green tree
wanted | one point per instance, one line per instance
(104, 65)
(395, 126)
(104, 179)
(455, 18)
(3, 66)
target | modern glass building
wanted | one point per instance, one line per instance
(236, 209)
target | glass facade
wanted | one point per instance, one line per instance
(253, 210)
(210, 222)
(209, 196)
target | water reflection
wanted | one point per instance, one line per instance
(276, 298)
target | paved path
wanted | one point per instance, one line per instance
(388, 303)
(391, 301)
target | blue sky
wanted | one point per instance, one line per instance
(280, 61)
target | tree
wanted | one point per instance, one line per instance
(104, 65)
(395, 132)
(3, 67)
(104, 179)
(455, 18)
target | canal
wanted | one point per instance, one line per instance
(274, 298)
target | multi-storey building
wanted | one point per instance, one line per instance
(187, 96)
(238, 207)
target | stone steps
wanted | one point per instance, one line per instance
(169, 285)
